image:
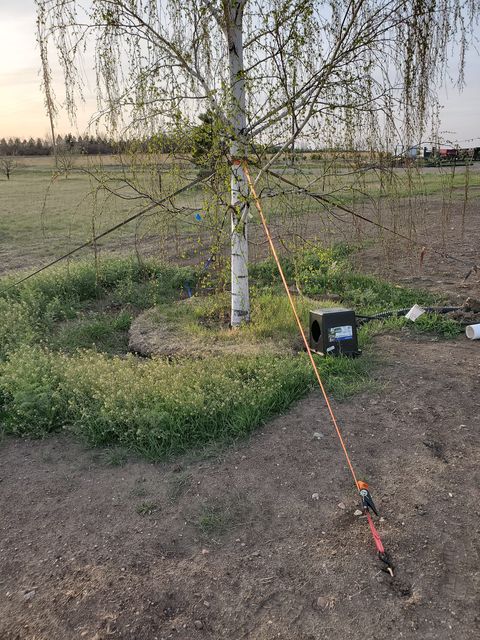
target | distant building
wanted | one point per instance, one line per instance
(441, 154)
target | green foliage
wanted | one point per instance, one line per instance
(83, 281)
(271, 316)
(32, 399)
(50, 307)
(51, 378)
(16, 326)
(208, 143)
(203, 139)
(265, 273)
(203, 322)
(370, 295)
(438, 325)
(105, 332)
(153, 407)
(430, 323)
(344, 376)
(325, 272)
(153, 284)
(322, 271)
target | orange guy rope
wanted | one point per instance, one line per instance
(295, 313)
(362, 487)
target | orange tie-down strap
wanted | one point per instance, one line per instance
(358, 483)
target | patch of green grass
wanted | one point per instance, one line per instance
(207, 318)
(344, 377)
(125, 279)
(265, 272)
(103, 332)
(321, 272)
(146, 508)
(438, 325)
(318, 272)
(154, 407)
(43, 218)
(17, 326)
(430, 323)
(55, 307)
(160, 408)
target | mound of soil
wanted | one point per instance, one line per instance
(152, 334)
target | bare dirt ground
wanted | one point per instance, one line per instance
(234, 546)
(450, 254)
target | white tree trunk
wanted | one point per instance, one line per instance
(239, 186)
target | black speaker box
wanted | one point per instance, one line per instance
(333, 331)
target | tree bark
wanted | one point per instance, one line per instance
(240, 301)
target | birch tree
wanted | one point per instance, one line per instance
(270, 71)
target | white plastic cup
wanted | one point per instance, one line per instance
(415, 312)
(473, 331)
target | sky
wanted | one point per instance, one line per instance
(22, 104)
(22, 108)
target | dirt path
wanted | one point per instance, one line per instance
(233, 545)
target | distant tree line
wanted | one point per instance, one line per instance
(195, 141)
(43, 147)
(89, 145)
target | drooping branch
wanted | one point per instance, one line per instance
(271, 74)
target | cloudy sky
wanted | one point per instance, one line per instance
(22, 110)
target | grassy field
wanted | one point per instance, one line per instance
(44, 213)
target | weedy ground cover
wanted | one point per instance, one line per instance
(64, 366)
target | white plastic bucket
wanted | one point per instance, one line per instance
(473, 331)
